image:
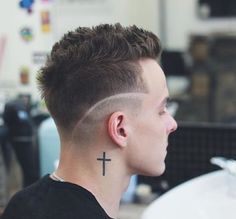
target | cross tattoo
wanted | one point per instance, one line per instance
(103, 159)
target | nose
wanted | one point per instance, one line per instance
(172, 126)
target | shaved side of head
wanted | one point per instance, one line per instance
(87, 126)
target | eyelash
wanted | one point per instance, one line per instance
(163, 111)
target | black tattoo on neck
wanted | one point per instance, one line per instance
(103, 159)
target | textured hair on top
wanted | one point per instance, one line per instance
(90, 64)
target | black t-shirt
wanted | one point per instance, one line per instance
(49, 199)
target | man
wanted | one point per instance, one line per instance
(17, 119)
(107, 95)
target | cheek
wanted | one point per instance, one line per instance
(148, 148)
(150, 133)
(152, 137)
(156, 128)
(157, 143)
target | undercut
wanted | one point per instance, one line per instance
(130, 103)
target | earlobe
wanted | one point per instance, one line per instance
(117, 128)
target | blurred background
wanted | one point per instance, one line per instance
(199, 52)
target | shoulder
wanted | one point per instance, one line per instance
(23, 201)
(50, 199)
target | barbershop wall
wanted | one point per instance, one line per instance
(92, 12)
(24, 41)
(22, 54)
(26, 38)
(183, 20)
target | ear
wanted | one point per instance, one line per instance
(118, 128)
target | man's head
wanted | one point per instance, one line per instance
(90, 64)
(148, 135)
(107, 76)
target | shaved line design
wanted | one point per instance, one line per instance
(108, 99)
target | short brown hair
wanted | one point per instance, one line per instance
(90, 64)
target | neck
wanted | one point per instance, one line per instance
(105, 179)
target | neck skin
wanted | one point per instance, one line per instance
(79, 165)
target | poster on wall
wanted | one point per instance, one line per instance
(27, 5)
(24, 75)
(39, 57)
(45, 21)
(26, 34)
(82, 1)
(46, 1)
